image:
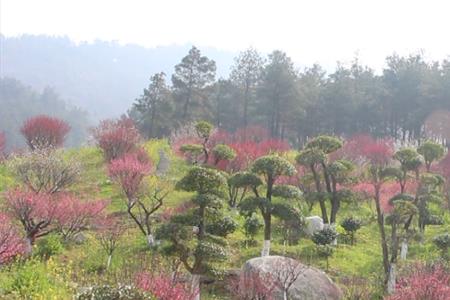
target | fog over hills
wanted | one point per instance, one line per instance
(101, 77)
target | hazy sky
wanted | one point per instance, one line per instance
(309, 31)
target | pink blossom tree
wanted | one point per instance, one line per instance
(109, 230)
(116, 137)
(129, 172)
(163, 287)
(36, 212)
(74, 215)
(11, 244)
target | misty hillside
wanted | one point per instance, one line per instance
(101, 77)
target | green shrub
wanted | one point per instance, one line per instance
(107, 292)
(49, 246)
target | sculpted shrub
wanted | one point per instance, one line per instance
(116, 137)
(42, 132)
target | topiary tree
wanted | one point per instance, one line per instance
(43, 132)
(431, 152)
(197, 236)
(252, 225)
(410, 161)
(222, 152)
(323, 239)
(315, 156)
(351, 225)
(442, 241)
(238, 186)
(270, 168)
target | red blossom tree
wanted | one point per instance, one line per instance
(42, 132)
(11, 244)
(116, 137)
(423, 283)
(74, 215)
(36, 212)
(163, 287)
(129, 172)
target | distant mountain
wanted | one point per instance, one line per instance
(101, 77)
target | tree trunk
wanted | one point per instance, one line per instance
(404, 249)
(380, 220)
(195, 287)
(150, 240)
(108, 262)
(391, 279)
(267, 235)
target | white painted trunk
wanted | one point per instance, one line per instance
(404, 250)
(108, 262)
(266, 248)
(195, 286)
(392, 279)
(151, 240)
(285, 295)
(334, 242)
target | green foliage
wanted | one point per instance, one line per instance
(310, 156)
(107, 292)
(351, 224)
(273, 166)
(223, 152)
(325, 236)
(49, 246)
(442, 241)
(287, 192)
(244, 179)
(203, 129)
(203, 181)
(327, 144)
(409, 159)
(192, 149)
(33, 279)
(222, 227)
(431, 152)
(252, 225)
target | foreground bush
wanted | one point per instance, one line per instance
(424, 282)
(163, 287)
(107, 292)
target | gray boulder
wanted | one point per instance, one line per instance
(313, 225)
(309, 283)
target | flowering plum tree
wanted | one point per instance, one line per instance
(109, 230)
(42, 132)
(11, 244)
(75, 215)
(163, 287)
(142, 202)
(116, 137)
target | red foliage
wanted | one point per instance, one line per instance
(163, 287)
(116, 137)
(43, 132)
(74, 215)
(423, 283)
(35, 212)
(11, 244)
(444, 166)
(247, 152)
(252, 286)
(388, 190)
(363, 146)
(129, 171)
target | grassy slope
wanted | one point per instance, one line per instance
(84, 263)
